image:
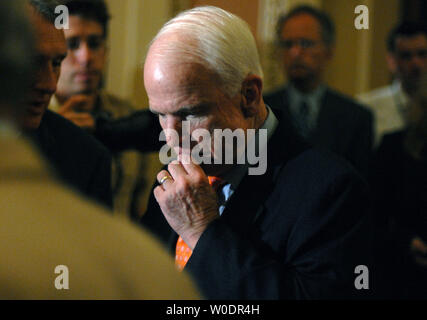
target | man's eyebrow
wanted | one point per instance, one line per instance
(199, 108)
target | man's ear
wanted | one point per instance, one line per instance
(251, 95)
(391, 62)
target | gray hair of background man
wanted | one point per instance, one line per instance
(217, 39)
(326, 24)
(16, 46)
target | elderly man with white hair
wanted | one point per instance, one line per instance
(296, 230)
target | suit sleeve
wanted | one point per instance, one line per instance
(316, 260)
(100, 183)
(138, 131)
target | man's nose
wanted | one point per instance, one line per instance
(84, 54)
(172, 127)
(295, 50)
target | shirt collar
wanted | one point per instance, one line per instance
(400, 94)
(312, 97)
(54, 104)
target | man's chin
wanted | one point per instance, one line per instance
(31, 121)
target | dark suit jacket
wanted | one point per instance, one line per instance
(296, 232)
(138, 131)
(77, 157)
(399, 184)
(343, 126)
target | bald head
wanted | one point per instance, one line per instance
(214, 38)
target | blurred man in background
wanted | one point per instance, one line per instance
(79, 159)
(323, 116)
(80, 98)
(407, 61)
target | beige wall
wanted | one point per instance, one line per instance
(359, 63)
(246, 9)
(134, 23)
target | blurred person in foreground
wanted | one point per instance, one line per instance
(44, 224)
(78, 158)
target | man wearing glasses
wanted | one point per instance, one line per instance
(80, 98)
(323, 116)
(82, 70)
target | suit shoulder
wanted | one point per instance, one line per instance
(392, 140)
(321, 167)
(75, 138)
(274, 98)
(348, 104)
(375, 95)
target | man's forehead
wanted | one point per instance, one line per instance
(81, 26)
(44, 30)
(418, 40)
(301, 24)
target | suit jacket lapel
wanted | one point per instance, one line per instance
(324, 133)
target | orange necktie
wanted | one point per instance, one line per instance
(182, 250)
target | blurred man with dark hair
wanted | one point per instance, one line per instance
(323, 116)
(49, 234)
(79, 159)
(81, 99)
(399, 179)
(407, 61)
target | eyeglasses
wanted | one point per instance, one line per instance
(93, 42)
(408, 55)
(302, 43)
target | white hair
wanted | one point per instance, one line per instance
(219, 40)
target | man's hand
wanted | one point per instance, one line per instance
(76, 109)
(419, 251)
(187, 200)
